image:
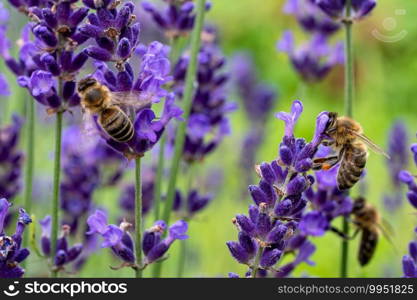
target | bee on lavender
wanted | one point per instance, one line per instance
(346, 137)
(368, 220)
(97, 99)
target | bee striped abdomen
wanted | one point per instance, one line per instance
(117, 125)
(367, 246)
(351, 167)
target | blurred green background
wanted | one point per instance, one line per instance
(385, 87)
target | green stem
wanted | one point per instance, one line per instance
(138, 217)
(255, 267)
(30, 161)
(55, 199)
(187, 102)
(349, 77)
(175, 50)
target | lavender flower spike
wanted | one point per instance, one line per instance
(291, 118)
(11, 251)
(336, 9)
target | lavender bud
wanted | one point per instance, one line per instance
(279, 172)
(270, 257)
(49, 17)
(296, 185)
(245, 224)
(124, 253)
(65, 60)
(285, 155)
(413, 250)
(238, 252)
(60, 258)
(77, 16)
(105, 43)
(412, 198)
(269, 191)
(124, 48)
(148, 242)
(257, 194)
(409, 267)
(247, 243)
(46, 245)
(267, 173)
(277, 234)
(283, 208)
(296, 241)
(303, 165)
(98, 53)
(157, 252)
(50, 63)
(90, 30)
(74, 252)
(253, 213)
(79, 61)
(68, 90)
(263, 225)
(45, 35)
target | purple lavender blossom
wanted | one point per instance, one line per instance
(410, 261)
(327, 201)
(65, 254)
(399, 158)
(173, 19)
(11, 159)
(337, 8)
(4, 86)
(118, 239)
(127, 196)
(258, 100)
(191, 203)
(314, 59)
(11, 251)
(208, 123)
(153, 74)
(52, 56)
(80, 176)
(310, 17)
(272, 229)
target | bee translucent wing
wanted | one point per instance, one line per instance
(130, 99)
(89, 127)
(371, 144)
(387, 231)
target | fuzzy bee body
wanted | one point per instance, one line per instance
(346, 137)
(117, 124)
(352, 165)
(367, 218)
(96, 99)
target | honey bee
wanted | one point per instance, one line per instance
(346, 137)
(97, 99)
(370, 224)
(368, 220)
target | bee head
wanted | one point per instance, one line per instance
(358, 204)
(85, 83)
(332, 120)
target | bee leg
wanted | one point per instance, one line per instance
(343, 235)
(325, 163)
(328, 143)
